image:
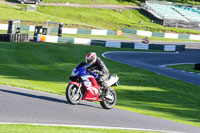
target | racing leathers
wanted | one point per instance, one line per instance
(100, 68)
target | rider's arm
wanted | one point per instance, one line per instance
(93, 74)
(104, 69)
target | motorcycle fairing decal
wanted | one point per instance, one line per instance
(92, 90)
(87, 83)
(94, 82)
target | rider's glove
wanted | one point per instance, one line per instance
(96, 75)
(93, 74)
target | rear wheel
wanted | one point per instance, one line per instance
(109, 103)
(72, 94)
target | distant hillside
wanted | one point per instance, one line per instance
(110, 1)
(115, 1)
(96, 1)
(86, 18)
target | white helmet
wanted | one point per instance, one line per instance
(91, 58)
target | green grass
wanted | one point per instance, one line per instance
(110, 19)
(105, 18)
(9, 12)
(88, 17)
(109, 37)
(47, 67)
(186, 67)
(24, 128)
(95, 1)
(3, 32)
(114, 1)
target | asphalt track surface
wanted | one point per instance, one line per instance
(156, 62)
(27, 106)
(19, 105)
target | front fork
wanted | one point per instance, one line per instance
(79, 85)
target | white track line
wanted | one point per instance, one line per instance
(102, 127)
(175, 64)
(140, 52)
(98, 127)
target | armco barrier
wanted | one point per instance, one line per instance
(127, 45)
(182, 36)
(113, 44)
(84, 31)
(98, 43)
(160, 34)
(66, 40)
(180, 47)
(113, 32)
(156, 47)
(68, 30)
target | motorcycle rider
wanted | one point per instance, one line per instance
(97, 66)
(146, 40)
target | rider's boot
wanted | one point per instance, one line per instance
(107, 95)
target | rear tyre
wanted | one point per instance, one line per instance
(109, 104)
(72, 94)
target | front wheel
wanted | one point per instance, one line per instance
(72, 94)
(109, 104)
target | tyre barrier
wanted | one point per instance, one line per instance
(14, 37)
(113, 44)
(197, 66)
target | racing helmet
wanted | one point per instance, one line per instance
(91, 58)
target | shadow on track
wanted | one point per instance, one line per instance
(46, 98)
(35, 96)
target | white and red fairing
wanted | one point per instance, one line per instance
(91, 86)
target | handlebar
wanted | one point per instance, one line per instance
(93, 74)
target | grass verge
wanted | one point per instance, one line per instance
(92, 2)
(24, 128)
(10, 13)
(47, 67)
(112, 1)
(110, 19)
(186, 67)
(104, 37)
(87, 17)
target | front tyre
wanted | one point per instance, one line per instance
(72, 94)
(109, 104)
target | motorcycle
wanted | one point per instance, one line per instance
(84, 86)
